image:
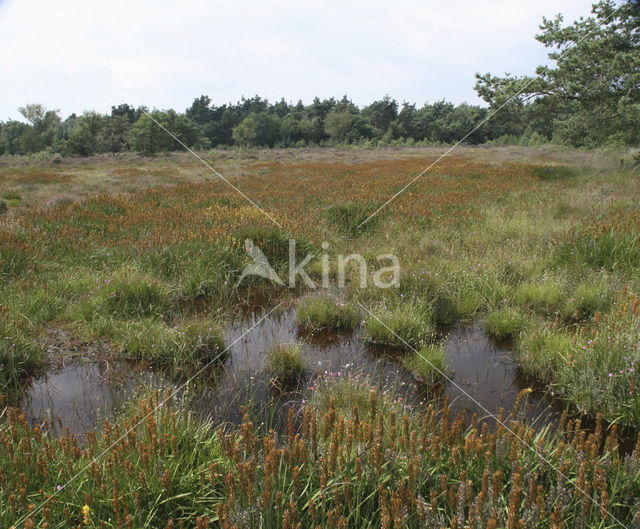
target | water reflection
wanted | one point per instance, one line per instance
(484, 374)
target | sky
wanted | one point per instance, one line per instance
(89, 55)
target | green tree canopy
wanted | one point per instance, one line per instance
(594, 79)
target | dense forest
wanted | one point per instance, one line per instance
(589, 97)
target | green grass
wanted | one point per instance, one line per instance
(545, 297)
(183, 348)
(541, 352)
(506, 323)
(327, 313)
(403, 326)
(348, 217)
(359, 459)
(286, 365)
(19, 355)
(588, 298)
(134, 295)
(428, 364)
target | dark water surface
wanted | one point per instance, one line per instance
(483, 373)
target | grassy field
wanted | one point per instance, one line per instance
(117, 251)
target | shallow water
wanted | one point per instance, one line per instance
(484, 378)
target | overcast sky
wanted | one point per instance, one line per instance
(80, 55)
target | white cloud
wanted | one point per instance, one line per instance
(164, 54)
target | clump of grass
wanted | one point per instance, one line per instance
(541, 352)
(19, 355)
(348, 217)
(612, 245)
(428, 364)
(554, 172)
(134, 295)
(345, 392)
(545, 297)
(327, 313)
(505, 323)
(12, 197)
(183, 348)
(405, 326)
(587, 300)
(286, 365)
(3, 207)
(601, 375)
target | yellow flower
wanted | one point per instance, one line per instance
(86, 513)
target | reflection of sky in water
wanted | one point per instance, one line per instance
(84, 394)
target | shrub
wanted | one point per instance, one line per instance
(286, 366)
(505, 324)
(405, 326)
(428, 364)
(327, 313)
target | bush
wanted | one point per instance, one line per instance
(286, 366)
(327, 313)
(428, 364)
(505, 324)
(405, 326)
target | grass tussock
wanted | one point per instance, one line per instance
(428, 364)
(182, 348)
(506, 323)
(404, 326)
(286, 364)
(349, 216)
(19, 355)
(327, 313)
(134, 295)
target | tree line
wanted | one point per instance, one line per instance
(589, 96)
